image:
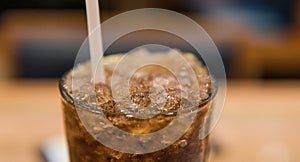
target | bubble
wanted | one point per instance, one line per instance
(182, 143)
(117, 155)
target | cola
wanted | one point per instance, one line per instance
(159, 118)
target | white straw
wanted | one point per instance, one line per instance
(95, 40)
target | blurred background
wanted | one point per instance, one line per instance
(259, 41)
(257, 38)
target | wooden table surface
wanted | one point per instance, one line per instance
(259, 123)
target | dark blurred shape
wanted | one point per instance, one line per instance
(38, 4)
(142, 37)
(281, 10)
(215, 148)
(46, 59)
(227, 53)
(267, 13)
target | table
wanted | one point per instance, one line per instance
(259, 122)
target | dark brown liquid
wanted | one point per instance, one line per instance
(84, 148)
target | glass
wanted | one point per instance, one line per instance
(84, 147)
